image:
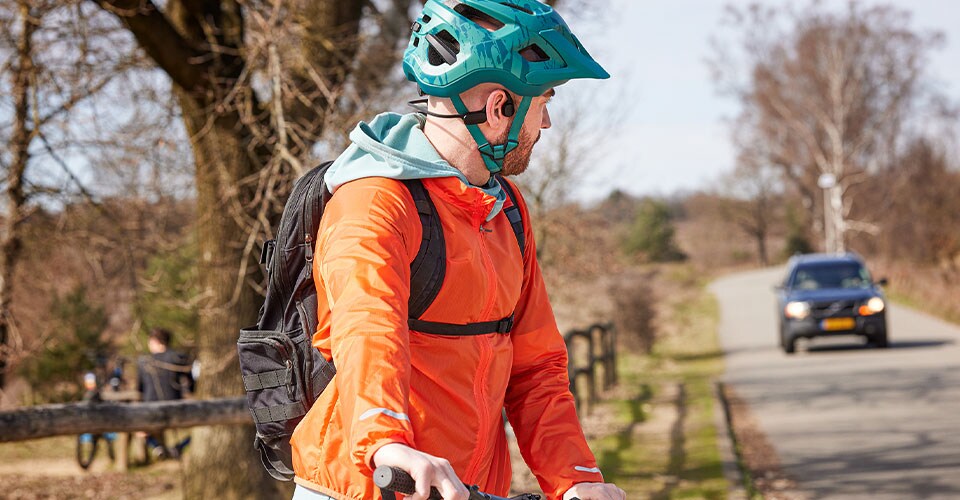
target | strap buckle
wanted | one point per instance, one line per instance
(505, 325)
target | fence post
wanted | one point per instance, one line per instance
(609, 340)
(575, 372)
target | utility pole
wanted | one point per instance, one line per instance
(828, 182)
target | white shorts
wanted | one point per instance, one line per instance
(303, 493)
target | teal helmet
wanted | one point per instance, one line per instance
(523, 45)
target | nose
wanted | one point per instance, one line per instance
(545, 119)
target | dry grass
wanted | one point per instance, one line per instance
(932, 289)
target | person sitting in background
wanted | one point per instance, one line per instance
(163, 376)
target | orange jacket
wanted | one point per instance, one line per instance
(440, 395)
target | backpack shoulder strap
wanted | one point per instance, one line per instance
(428, 268)
(513, 214)
(430, 265)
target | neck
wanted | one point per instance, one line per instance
(457, 147)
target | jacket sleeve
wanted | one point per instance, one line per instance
(539, 404)
(364, 264)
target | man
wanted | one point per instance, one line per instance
(164, 375)
(427, 403)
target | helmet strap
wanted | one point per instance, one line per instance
(494, 154)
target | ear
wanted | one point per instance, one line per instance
(500, 110)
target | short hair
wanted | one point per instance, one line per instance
(161, 335)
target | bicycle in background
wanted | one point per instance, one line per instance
(88, 443)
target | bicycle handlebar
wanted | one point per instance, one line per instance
(398, 480)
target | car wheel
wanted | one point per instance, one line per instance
(789, 345)
(880, 340)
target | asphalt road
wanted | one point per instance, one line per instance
(848, 421)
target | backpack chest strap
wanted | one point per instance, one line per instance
(503, 326)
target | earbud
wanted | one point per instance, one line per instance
(508, 107)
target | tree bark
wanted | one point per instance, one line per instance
(15, 199)
(222, 161)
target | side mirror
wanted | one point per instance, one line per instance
(883, 282)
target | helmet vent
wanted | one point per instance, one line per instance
(534, 53)
(448, 40)
(434, 57)
(443, 48)
(517, 7)
(482, 19)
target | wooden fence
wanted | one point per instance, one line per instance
(594, 346)
(589, 349)
(97, 418)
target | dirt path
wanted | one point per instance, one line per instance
(47, 469)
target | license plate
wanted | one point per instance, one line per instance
(834, 324)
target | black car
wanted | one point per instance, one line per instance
(829, 294)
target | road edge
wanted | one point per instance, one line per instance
(732, 464)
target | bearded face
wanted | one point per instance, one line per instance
(517, 161)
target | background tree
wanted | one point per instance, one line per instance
(826, 93)
(754, 202)
(256, 83)
(652, 233)
(56, 60)
(917, 197)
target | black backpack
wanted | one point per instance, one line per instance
(283, 374)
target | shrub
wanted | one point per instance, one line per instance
(652, 234)
(634, 313)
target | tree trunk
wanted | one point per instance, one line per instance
(10, 242)
(762, 248)
(222, 461)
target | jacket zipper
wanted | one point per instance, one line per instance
(480, 392)
(483, 413)
(491, 274)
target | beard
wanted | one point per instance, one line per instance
(517, 161)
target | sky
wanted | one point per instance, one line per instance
(675, 135)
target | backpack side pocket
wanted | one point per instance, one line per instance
(273, 379)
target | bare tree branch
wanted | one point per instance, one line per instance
(161, 41)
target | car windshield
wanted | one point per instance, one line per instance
(839, 275)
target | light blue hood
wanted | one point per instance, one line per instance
(393, 146)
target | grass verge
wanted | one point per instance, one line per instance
(665, 446)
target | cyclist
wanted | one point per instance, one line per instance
(432, 404)
(162, 376)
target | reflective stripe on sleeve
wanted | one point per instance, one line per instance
(390, 413)
(584, 469)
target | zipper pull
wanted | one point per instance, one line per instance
(485, 230)
(308, 239)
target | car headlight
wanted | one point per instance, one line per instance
(873, 306)
(797, 310)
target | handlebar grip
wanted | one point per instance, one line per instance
(398, 480)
